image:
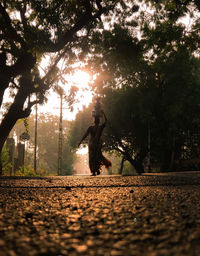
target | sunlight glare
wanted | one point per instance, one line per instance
(81, 79)
(84, 96)
(82, 151)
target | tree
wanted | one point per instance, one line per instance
(166, 106)
(47, 143)
(155, 84)
(29, 30)
(172, 52)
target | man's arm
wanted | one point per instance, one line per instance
(84, 136)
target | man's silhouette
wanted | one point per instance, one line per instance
(96, 158)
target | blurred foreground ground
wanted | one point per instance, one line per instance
(104, 215)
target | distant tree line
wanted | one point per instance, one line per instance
(47, 147)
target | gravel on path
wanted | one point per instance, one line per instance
(153, 215)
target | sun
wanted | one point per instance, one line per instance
(80, 79)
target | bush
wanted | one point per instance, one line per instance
(5, 161)
(26, 171)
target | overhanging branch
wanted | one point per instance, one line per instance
(68, 36)
(8, 28)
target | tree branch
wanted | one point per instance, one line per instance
(26, 112)
(68, 36)
(8, 28)
(24, 62)
(52, 68)
(22, 15)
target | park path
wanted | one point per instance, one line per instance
(105, 215)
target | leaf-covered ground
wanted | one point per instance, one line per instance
(105, 215)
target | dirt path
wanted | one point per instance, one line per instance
(106, 215)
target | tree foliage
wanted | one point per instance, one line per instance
(31, 29)
(150, 86)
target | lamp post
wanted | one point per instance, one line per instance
(60, 137)
(35, 142)
(61, 93)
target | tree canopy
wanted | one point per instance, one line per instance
(31, 29)
(150, 84)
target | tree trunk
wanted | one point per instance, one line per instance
(137, 162)
(1, 171)
(14, 113)
(169, 156)
(138, 165)
(172, 157)
(5, 127)
(122, 165)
